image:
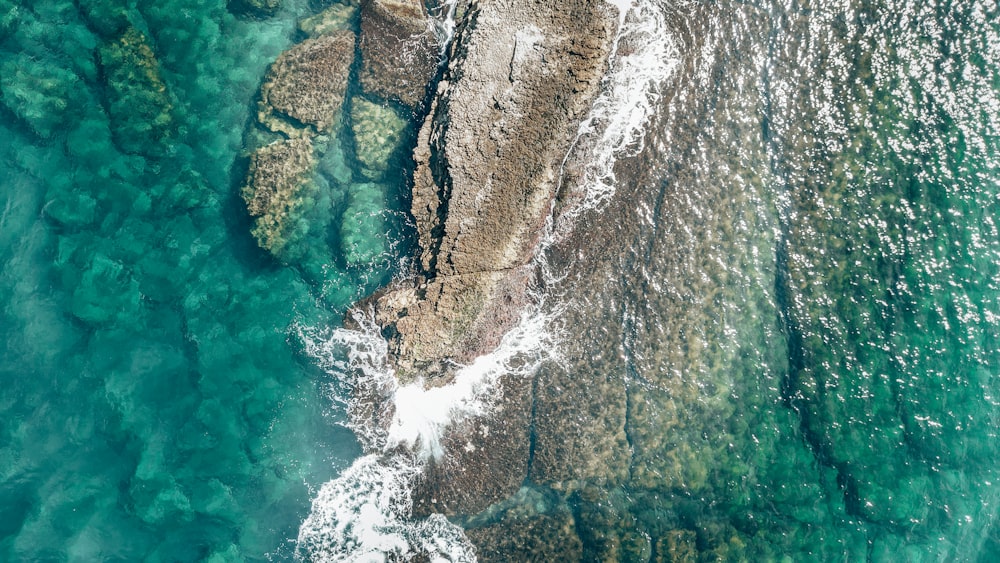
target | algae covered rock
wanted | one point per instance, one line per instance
(109, 19)
(277, 188)
(255, 8)
(677, 546)
(9, 18)
(106, 291)
(335, 17)
(136, 97)
(378, 132)
(307, 84)
(549, 537)
(363, 235)
(399, 51)
(41, 95)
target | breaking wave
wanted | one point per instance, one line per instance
(365, 514)
(644, 55)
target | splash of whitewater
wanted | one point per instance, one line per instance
(365, 514)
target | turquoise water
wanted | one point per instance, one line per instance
(154, 402)
(782, 333)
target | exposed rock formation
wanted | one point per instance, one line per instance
(307, 85)
(488, 156)
(521, 76)
(399, 51)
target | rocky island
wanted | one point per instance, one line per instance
(496, 120)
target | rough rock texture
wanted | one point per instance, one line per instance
(540, 538)
(378, 132)
(137, 99)
(471, 478)
(307, 85)
(278, 176)
(400, 52)
(677, 546)
(334, 18)
(522, 74)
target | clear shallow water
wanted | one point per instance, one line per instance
(791, 319)
(154, 400)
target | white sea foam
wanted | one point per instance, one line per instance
(644, 55)
(422, 415)
(365, 514)
(443, 22)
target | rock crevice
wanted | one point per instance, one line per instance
(518, 81)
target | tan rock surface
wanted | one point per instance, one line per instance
(522, 75)
(306, 85)
(400, 52)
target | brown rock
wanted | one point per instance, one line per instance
(488, 159)
(276, 188)
(547, 538)
(487, 457)
(453, 318)
(399, 50)
(304, 89)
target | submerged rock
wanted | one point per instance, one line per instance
(137, 99)
(46, 97)
(486, 460)
(277, 188)
(399, 50)
(363, 226)
(334, 18)
(378, 133)
(255, 8)
(549, 537)
(305, 87)
(108, 19)
(677, 546)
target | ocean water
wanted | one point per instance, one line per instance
(784, 347)
(791, 319)
(156, 403)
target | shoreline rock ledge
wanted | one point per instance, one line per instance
(520, 77)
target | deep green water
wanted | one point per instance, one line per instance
(154, 404)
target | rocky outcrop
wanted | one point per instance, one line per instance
(399, 50)
(521, 76)
(301, 99)
(305, 87)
